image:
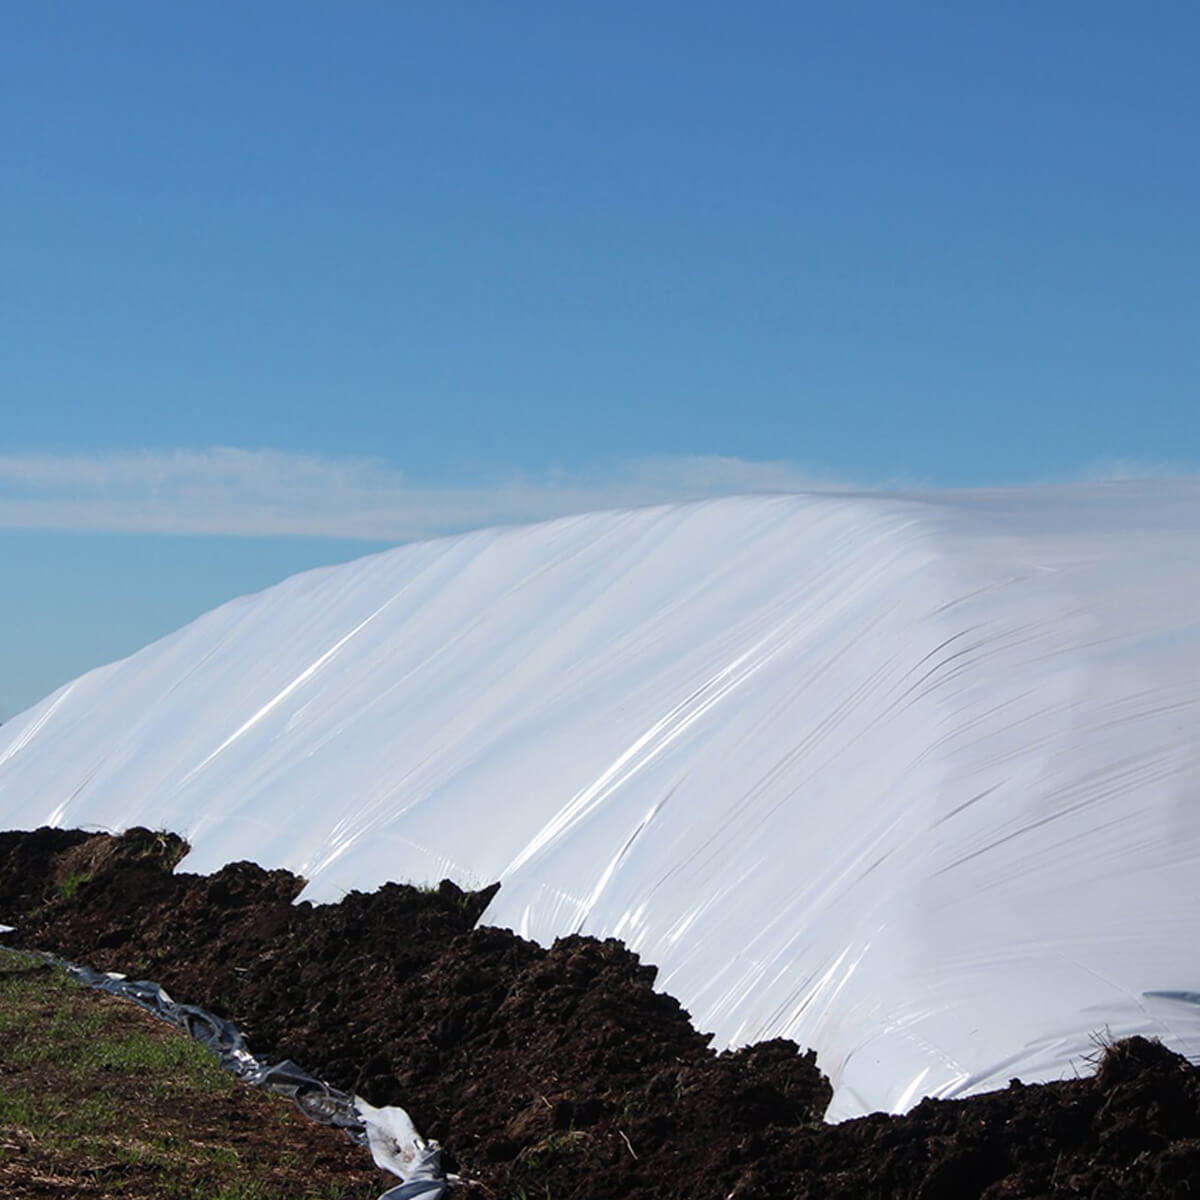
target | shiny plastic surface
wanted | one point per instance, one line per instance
(912, 780)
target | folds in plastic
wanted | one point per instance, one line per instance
(912, 780)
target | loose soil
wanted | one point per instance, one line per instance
(561, 1072)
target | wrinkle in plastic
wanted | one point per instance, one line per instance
(909, 779)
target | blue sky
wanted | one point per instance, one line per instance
(281, 283)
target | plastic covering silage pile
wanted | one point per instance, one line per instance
(911, 780)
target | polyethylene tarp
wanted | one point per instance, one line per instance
(911, 780)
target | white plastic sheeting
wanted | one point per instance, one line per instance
(911, 780)
(396, 1146)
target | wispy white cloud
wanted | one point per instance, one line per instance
(1119, 470)
(269, 492)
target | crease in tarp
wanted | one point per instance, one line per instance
(387, 1132)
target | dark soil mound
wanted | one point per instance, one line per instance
(562, 1072)
(27, 866)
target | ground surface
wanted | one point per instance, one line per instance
(98, 1098)
(561, 1073)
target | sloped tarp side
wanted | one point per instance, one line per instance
(910, 780)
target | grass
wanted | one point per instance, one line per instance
(72, 883)
(99, 1099)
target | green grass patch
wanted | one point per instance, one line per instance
(72, 883)
(106, 1100)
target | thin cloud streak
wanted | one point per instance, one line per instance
(1121, 470)
(268, 493)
